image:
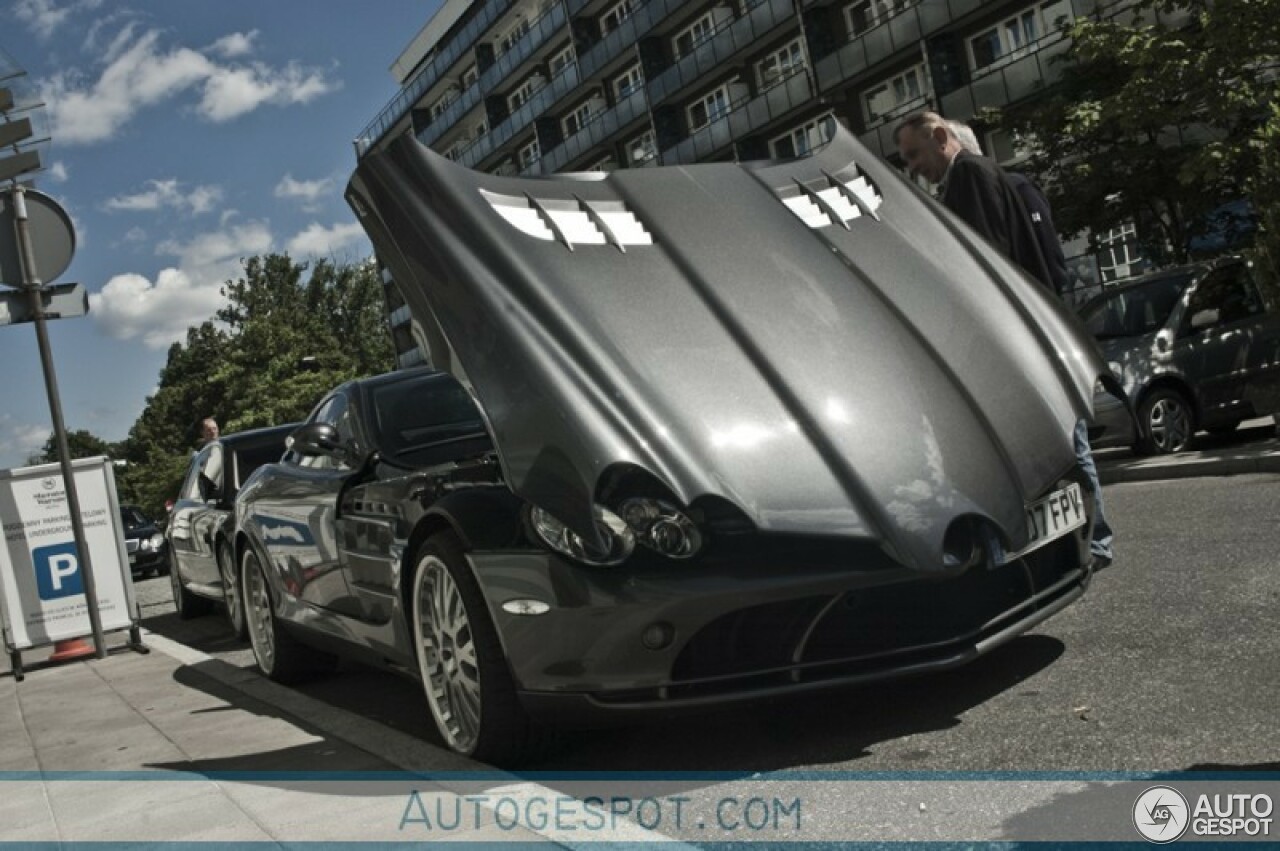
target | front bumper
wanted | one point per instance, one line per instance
(144, 561)
(769, 618)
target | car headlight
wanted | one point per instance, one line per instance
(661, 526)
(155, 542)
(618, 540)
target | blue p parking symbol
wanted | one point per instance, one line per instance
(57, 571)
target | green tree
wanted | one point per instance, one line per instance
(1163, 113)
(81, 443)
(288, 333)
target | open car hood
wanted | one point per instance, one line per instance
(815, 342)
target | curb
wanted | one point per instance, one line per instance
(407, 752)
(1147, 471)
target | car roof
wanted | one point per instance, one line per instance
(265, 435)
(1196, 270)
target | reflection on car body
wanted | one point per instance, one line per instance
(712, 433)
(1195, 347)
(202, 525)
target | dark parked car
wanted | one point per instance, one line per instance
(202, 525)
(710, 433)
(1195, 348)
(143, 541)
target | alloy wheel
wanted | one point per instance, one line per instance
(1169, 423)
(447, 655)
(257, 611)
(231, 591)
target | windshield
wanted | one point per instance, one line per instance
(422, 412)
(132, 516)
(1137, 310)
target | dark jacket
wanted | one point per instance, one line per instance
(1042, 222)
(978, 191)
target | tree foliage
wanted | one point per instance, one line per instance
(1164, 112)
(288, 333)
(81, 443)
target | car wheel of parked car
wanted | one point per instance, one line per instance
(232, 599)
(1166, 421)
(464, 672)
(188, 605)
(280, 656)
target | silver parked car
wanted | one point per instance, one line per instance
(1195, 348)
(734, 431)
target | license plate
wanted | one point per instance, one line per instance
(1052, 517)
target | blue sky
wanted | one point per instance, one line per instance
(185, 135)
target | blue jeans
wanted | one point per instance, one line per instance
(1100, 545)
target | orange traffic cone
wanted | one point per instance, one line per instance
(72, 648)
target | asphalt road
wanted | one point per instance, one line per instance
(1167, 663)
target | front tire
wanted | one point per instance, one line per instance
(1167, 422)
(280, 656)
(464, 672)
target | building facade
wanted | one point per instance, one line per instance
(533, 87)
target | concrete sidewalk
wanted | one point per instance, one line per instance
(1252, 448)
(150, 748)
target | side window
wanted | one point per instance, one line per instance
(1225, 296)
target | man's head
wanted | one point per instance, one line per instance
(927, 144)
(966, 137)
(208, 429)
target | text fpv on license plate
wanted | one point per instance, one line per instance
(1052, 517)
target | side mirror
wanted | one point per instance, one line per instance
(1205, 318)
(316, 439)
(1162, 341)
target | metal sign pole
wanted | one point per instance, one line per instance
(31, 284)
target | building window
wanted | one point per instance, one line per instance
(613, 18)
(513, 36)
(708, 108)
(901, 92)
(780, 64)
(642, 149)
(1012, 36)
(525, 91)
(629, 83)
(444, 103)
(562, 61)
(530, 154)
(1119, 255)
(580, 117)
(694, 35)
(868, 14)
(469, 77)
(802, 140)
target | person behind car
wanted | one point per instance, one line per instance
(977, 190)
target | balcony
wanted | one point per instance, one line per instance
(1010, 82)
(602, 128)
(720, 47)
(445, 121)
(548, 24)
(743, 120)
(626, 35)
(430, 74)
(538, 103)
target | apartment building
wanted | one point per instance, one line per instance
(533, 87)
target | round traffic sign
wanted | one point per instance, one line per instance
(53, 238)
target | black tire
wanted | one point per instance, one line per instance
(232, 599)
(188, 605)
(465, 676)
(279, 655)
(1166, 422)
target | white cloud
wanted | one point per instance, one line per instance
(159, 312)
(19, 441)
(235, 44)
(43, 17)
(319, 241)
(140, 73)
(58, 172)
(166, 194)
(308, 192)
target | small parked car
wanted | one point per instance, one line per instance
(143, 541)
(202, 525)
(1195, 348)
(700, 435)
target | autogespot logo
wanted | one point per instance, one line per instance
(1160, 814)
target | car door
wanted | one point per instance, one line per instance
(294, 512)
(1221, 347)
(191, 535)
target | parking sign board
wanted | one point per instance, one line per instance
(42, 595)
